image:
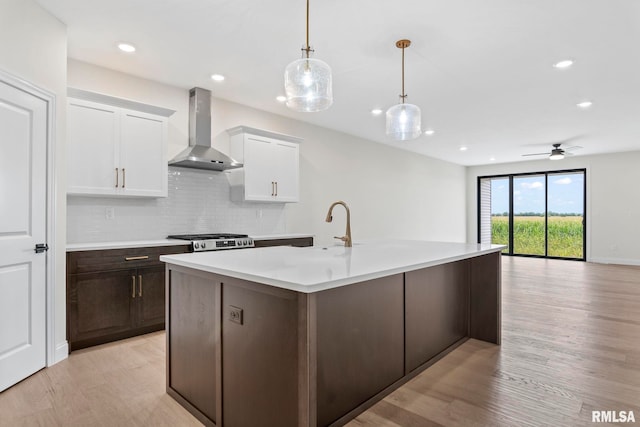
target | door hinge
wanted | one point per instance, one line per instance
(41, 247)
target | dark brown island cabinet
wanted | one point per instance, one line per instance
(241, 353)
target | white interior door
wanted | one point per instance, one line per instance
(23, 179)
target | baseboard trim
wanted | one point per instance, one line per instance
(619, 261)
(62, 352)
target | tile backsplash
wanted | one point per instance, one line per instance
(198, 202)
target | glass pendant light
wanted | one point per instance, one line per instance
(403, 120)
(307, 81)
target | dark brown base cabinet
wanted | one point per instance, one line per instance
(299, 242)
(241, 353)
(120, 293)
(115, 293)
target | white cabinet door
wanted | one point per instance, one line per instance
(92, 148)
(143, 154)
(23, 209)
(286, 170)
(259, 181)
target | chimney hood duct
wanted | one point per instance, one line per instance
(199, 154)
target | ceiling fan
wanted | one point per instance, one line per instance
(556, 153)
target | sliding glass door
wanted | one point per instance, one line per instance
(538, 214)
(529, 209)
(565, 215)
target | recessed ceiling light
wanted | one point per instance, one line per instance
(281, 98)
(429, 132)
(217, 77)
(492, 159)
(463, 148)
(126, 47)
(585, 104)
(563, 64)
(376, 111)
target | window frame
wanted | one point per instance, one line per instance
(546, 174)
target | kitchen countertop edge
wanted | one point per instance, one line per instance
(94, 246)
(328, 284)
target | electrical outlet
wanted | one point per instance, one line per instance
(110, 213)
(235, 314)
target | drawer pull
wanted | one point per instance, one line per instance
(140, 285)
(133, 286)
(136, 258)
(116, 177)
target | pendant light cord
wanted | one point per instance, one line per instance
(402, 44)
(403, 96)
(307, 49)
(308, 29)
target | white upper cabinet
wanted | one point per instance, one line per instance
(271, 165)
(115, 147)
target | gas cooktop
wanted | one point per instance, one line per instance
(215, 241)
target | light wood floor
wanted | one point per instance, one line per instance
(571, 344)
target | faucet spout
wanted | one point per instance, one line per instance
(347, 237)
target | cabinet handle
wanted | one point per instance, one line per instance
(136, 258)
(133, 286)
(272, 188)
(124, 177)
(140, 285)
(276, 188)
(117, 178)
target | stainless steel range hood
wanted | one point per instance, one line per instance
(199, 154)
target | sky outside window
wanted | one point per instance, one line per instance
(565, 194)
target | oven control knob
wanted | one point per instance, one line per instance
(196, 245)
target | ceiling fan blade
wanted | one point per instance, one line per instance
(561, 142)
(535, 154)
(573, 138)
(573, 147)
(567, 153)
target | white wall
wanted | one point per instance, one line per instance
(613, 202)
(33, 47)
(392, 193)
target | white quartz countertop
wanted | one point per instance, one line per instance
(317, 268)
(74, 247)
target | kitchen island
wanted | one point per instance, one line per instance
(313, 336)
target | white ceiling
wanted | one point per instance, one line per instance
(481, 71)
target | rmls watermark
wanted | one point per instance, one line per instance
(613, 417)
